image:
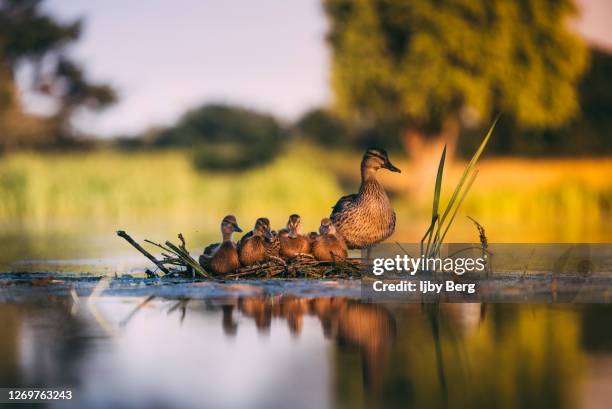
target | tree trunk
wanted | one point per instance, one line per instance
(424, 151)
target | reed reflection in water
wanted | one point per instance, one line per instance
(290, 351)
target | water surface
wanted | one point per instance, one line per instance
(263, 349)
(126, 342)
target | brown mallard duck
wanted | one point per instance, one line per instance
(366, 218)
(255, 246)
(293, 242)
(222, 258)
(329, 245)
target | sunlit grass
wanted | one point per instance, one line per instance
(515, 199)
(42, 191)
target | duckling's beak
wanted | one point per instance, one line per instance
(391, 167)
(236, 227)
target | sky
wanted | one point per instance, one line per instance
(165, 57)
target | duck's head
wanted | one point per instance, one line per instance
(327, 227)
(376, 158)
(229, 225)
(294, 226)
(262, 228)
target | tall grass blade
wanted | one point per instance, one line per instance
(428, 234)
(436, 202)
(438, 188)
(461, 198)
(468, 169)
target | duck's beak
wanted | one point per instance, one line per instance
(237, 228)
(391, 167)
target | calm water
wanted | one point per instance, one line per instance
(278, 351)
(302, 344)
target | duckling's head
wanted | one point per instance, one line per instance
(229, 225)
(294, 226)
(327, 227)
(376, 158)
(262, 228)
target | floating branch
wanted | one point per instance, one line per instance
(138, 247)
(177, 260)
(182, 258)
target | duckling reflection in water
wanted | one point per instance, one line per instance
(292, 241)
(369, 328)
(366, 218)
(222, 258)
(254, 247)
(293, 309)
(259, 309)
(329, 245)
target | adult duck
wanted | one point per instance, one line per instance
(254, 246)
(222, 258)
(292, 241)
(329, 245)
(366, 218)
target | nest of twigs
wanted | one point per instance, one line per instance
(177, 261)
(301, 266)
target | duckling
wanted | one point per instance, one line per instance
(366, 218)
(252, 246)
(329, 245)
(294, 241)
(222, 258)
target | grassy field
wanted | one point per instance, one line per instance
(515, 199)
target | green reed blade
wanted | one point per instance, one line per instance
(428, 234)
(438, 187)
(437, 191)
(464, 176)
(463, 195)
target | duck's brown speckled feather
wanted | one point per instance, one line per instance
(344, 203)
(366, 218)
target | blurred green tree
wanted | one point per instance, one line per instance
(327, 128)
(29, 36)
(587, 134)
(434, 66)
(323, 127)
(226, 137)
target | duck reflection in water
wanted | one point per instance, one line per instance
(407, 355)
(368, 328)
